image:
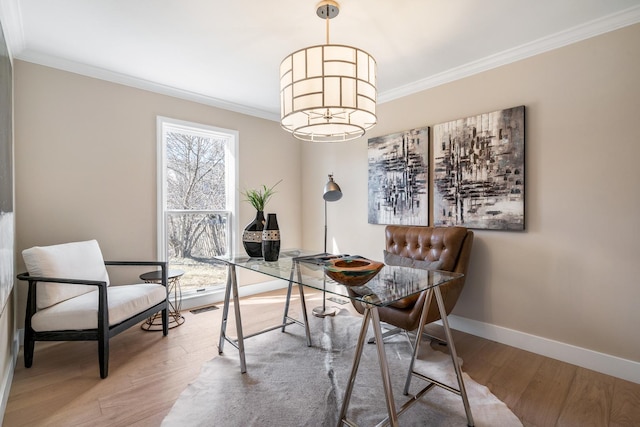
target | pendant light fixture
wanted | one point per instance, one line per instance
(328, 92)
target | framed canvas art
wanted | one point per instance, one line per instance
(479, 178)
(399, 178)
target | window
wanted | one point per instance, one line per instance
(196, 201)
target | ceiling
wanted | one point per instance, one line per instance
(227, 53)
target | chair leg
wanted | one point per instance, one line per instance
(165, 322)
(29, 345)
(103, 356)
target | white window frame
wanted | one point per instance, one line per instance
(232, 171)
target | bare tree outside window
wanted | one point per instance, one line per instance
(195, 181)
(196, 215)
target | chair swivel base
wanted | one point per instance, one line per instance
(396, 331)
(324, 311)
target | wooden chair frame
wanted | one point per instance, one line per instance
(104, 332)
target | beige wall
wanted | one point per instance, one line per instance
(85, 167)
(571, 276)
(86, 163)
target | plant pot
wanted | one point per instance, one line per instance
(252, 236)
(271, 239)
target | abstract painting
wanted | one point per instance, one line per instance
(479, 171)
(7, 228)
(399, 178)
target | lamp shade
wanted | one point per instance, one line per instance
(332, 191)
(328, 93)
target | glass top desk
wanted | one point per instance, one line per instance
(391, 284)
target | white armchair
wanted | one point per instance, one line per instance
(70, 298)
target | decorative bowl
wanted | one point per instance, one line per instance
(352, 271)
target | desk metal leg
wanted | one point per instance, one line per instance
(285, 317)
(225, 310)
(384, 368)
(232, 287)
(231, 290)
(460, 391)
(354, 368)
(416, 345)
(305, 318)
(454, 355)
(371, 313)
(236, 310)
(286, 320)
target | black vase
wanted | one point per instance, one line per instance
(252, 236)
(271, 239)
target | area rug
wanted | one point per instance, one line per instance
(290, 384)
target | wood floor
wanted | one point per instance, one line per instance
(147, 373)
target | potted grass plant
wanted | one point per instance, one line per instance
(252, 235)
(259, 198)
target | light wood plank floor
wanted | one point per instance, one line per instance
(147, 373)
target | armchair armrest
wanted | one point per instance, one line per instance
(156, 263)
(103, 312)
(164, 265)
(29, 278)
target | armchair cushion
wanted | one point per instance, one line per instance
(76, 260)
(81, 312)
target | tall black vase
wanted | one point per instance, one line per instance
(271, 239)
(252, 236)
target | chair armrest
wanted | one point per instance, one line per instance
(156, 263)
(27, 277)
(103, 311)
(164, 265)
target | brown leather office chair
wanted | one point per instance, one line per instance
(438, 248)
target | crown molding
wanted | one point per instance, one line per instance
(12, 20)
(139, 83)
(578, 33)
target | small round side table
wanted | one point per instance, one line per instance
(154, 323)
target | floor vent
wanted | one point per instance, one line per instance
(338, 300)
(203, 309)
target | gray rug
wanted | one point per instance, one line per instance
(290, 384)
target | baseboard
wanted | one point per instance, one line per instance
(5, 387)
(600, 362)
(604, 363)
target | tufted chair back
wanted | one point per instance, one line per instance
(432, 244)
(437, 248)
